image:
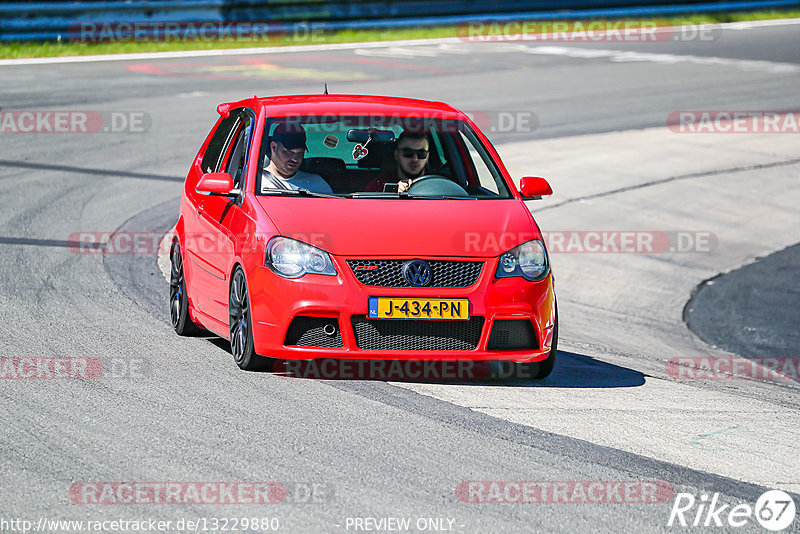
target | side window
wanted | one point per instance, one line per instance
(486, 176)
(214, 152)
(238, 149)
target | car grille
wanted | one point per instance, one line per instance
(308, 332)
(512, 334)
(389, 273)
(404, 334)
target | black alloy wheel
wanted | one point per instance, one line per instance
(241, 326)
(178, 299)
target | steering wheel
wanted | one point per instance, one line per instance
(436, 184)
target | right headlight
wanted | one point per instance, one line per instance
(528, 260)
(292, 259)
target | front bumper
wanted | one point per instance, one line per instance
(279, 305)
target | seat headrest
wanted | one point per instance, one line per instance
(379, 155)
(324, 166)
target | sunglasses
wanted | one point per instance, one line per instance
(410, 152)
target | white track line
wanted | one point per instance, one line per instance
(221, 52)
(164, 261)
(623, 56)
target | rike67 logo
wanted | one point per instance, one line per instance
(774, 510)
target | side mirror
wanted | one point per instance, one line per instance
(218, 184)
(224, 110)
(534, 188)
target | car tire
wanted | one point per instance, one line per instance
(242, 348)
(541, 369)
(178, 299)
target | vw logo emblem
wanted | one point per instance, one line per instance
(417, 273)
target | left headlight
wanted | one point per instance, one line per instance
(292, 259)
(528, 260)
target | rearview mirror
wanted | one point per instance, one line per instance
(218, 184)
(534, 188)
(378, 136)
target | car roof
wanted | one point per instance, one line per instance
(302, 105)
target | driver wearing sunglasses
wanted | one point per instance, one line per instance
(411, 162)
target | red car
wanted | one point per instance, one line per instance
(343, 226)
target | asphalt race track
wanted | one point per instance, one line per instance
(590, 117)
(752, 310)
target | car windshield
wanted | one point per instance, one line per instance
(366, 157)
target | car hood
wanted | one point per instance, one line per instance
(396, 227)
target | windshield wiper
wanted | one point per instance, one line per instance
(371, 194)
(406, 196)
(440, 197)
(297, 193)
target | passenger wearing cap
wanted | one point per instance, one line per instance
(287, 149)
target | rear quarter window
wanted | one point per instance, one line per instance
(214, 152)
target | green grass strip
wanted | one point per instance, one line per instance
(66, 48)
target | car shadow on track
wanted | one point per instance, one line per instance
(574, 370)
(571, 371)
